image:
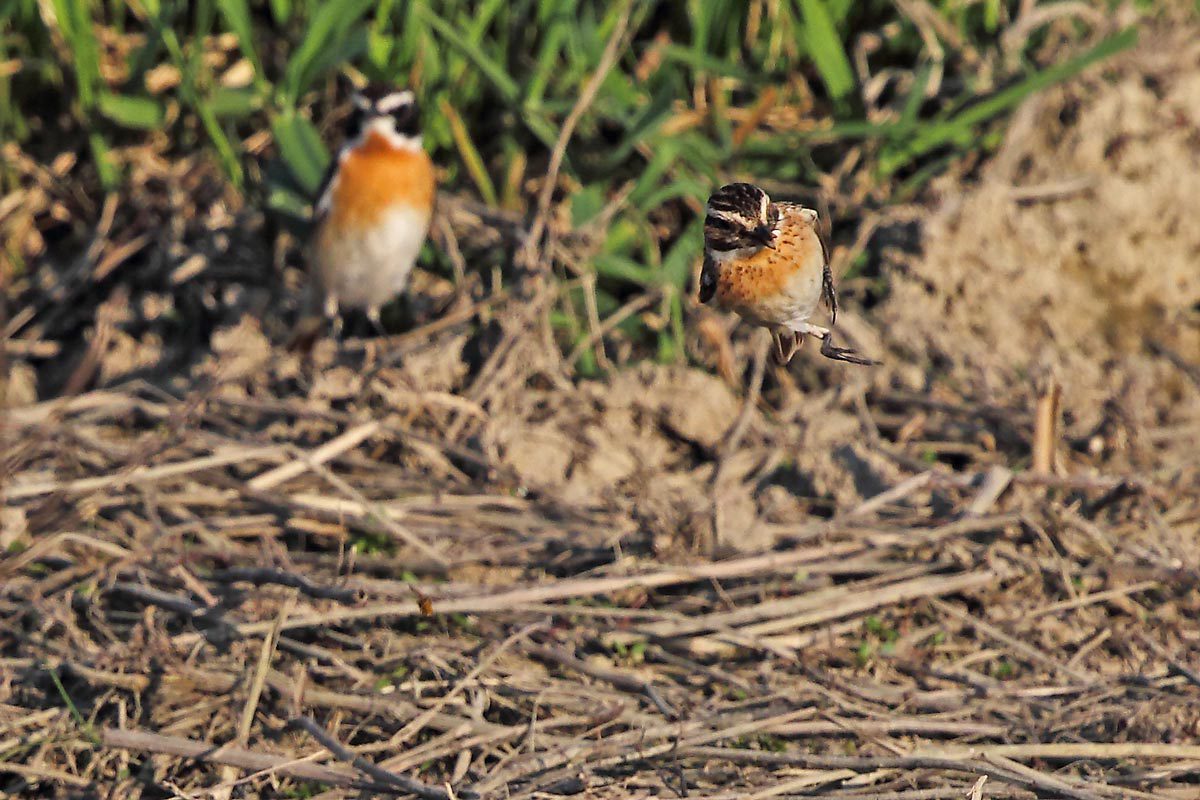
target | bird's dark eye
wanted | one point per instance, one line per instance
(354, 123)
(713, 222)
(407, 119)
(725, 240)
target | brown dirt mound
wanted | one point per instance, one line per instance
(1077, 256)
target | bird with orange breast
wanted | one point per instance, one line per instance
(374, 206)
(769, 263)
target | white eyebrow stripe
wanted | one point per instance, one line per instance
(391, 102)
(728, 216)
(362, 103)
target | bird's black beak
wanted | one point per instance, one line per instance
(764, 235)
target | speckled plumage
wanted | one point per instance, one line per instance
(776, 281)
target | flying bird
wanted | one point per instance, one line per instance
(769, 263)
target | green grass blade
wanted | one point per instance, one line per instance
(237, 15)
(301, 149)
(228, 156)
(677, 266)
(325, 43)
(291, 206)
(643, 124)
(484, 13)
(825, 46)
(109, 176)
(75, 24)
(547, 65)
(537, 123)
(839, 10)
(960, 128)
(671, 339)
(682, 188)
(190, 70)
(916, 97)
(281, 11)
(469, 153)
(587, 203)
(1006, 99)
(142, 113)
(623, 269)
(991, 15)
(496, 74)
(234, 104)
(380, 42)
(665, 155)
(88, 729)
(707, 62)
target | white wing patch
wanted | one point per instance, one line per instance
(326, 198)
(323, 202)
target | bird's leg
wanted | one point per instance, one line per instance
(309, 326)
(831, 351)
(830, 293)
(787, 342)
(777, 338)
(376, 321)
(334, 318)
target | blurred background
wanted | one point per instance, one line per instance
(146, 134)
(1012, 186)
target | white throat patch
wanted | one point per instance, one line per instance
(721, 256)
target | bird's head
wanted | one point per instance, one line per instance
(739, 217)
(390, 112)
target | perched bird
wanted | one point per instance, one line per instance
(374, 206)
(769, 263)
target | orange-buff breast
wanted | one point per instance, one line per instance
(376, 176)
(761, 277)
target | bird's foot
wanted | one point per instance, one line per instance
(373, 316)
(832, 351)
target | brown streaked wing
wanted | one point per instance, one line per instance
(824, 229)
